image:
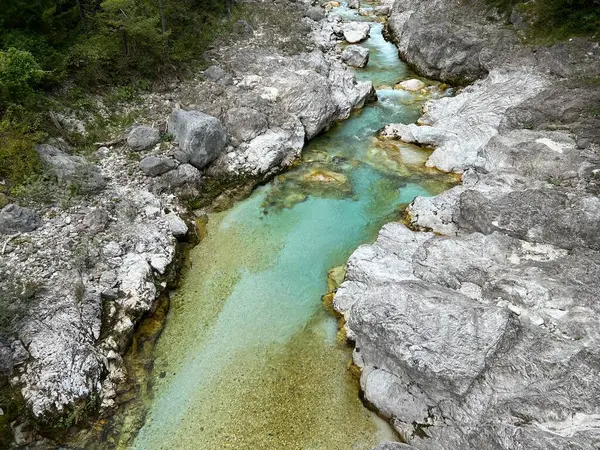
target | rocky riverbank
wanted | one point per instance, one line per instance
(79, 276)
(477, 325)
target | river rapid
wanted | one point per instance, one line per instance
(249, 358)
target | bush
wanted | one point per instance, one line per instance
(19, 161)
(19, 75)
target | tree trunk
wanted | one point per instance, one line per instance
(163, 23)
(81, 15)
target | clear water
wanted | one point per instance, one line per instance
(248, 358)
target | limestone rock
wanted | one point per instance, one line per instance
(354, 4)
(355, 56)
(74, 170)
(15, 219)
(201, 136)
(355, 31)
(245, 124)
(154, 166)
(143, 137)
(218, 75)
(178, 227)
(315, 13)
(412, 85)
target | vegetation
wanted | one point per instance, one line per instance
(556, 19)
(125, 44)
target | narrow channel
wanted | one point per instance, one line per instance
(249, 359)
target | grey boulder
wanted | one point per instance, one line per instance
(14, 219)
(354, 4)
(74, 170)
(218, 75)
(356, 31)
(143, 137)
(201, 136)
(154, 166)
(315, 13)
(355, 56)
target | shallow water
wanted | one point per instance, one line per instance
(248, 358)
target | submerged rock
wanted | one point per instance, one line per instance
(411, 85)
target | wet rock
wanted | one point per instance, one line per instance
(355, 31)
(15, 219)
(355, 56)
(411, 85)
(218, 75)
(201, 136)
(178, 227)
(143, 137)
(153, 166)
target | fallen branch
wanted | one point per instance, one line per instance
(109, 143)
(10, 238)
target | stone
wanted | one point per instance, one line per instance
(218, 75)
(315, 13)
(393, 446)
(243, 28)
(411, 85)
(183, 175)
(201, 136)
(178, 227)
(15, 219)
(354, 4)
(355, 31)
(142, 137)
(74, 170)
(382, 10)
(277, 147)
(355, 56)
(153, 166)
(245, 124)
(96, 220)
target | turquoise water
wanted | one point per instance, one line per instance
(248, 358)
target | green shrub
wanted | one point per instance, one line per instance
(19, 161)
(19, 75)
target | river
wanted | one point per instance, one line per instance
(248, 358)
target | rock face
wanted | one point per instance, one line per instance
(143, 137)
(14, 219)
(481, 331)
(355, 56)
(201, 136)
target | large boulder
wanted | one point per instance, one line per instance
(14, 219)
(355, 56)
(201, 136)
(356, 31)
(74, 170)
(143, 137)
(315, 13)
